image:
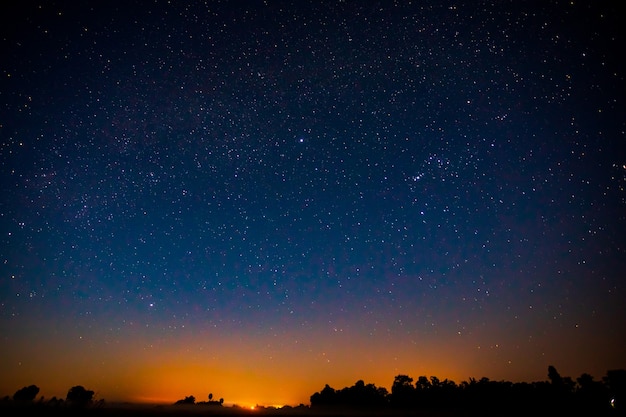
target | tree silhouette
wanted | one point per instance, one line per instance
(554, 377)
(326, 397)
(422, 384)
(26, 394)
(360, 395)
(561, 395)
(615, 381)
(402, 391)
(211, 401)
(591, 394)
(78, 396)
(187, 400)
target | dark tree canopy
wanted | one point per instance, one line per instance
(26, 394)
(360, 395)
(558, 396)
(78, 396)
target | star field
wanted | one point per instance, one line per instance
(290, 194)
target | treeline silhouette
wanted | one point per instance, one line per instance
(192, 400)
(77, 398)
(558, 394)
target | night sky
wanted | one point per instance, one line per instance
(256, 198)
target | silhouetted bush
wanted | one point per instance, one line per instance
(187, 400)
(55, 402)
(79, 397)
(26, 394)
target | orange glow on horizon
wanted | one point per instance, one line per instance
(251, 369)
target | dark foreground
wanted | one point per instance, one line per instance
(128, 410)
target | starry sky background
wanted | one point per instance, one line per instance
(257, 198)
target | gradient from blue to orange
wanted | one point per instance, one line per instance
(256, 199)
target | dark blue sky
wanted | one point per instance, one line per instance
(421, 176)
